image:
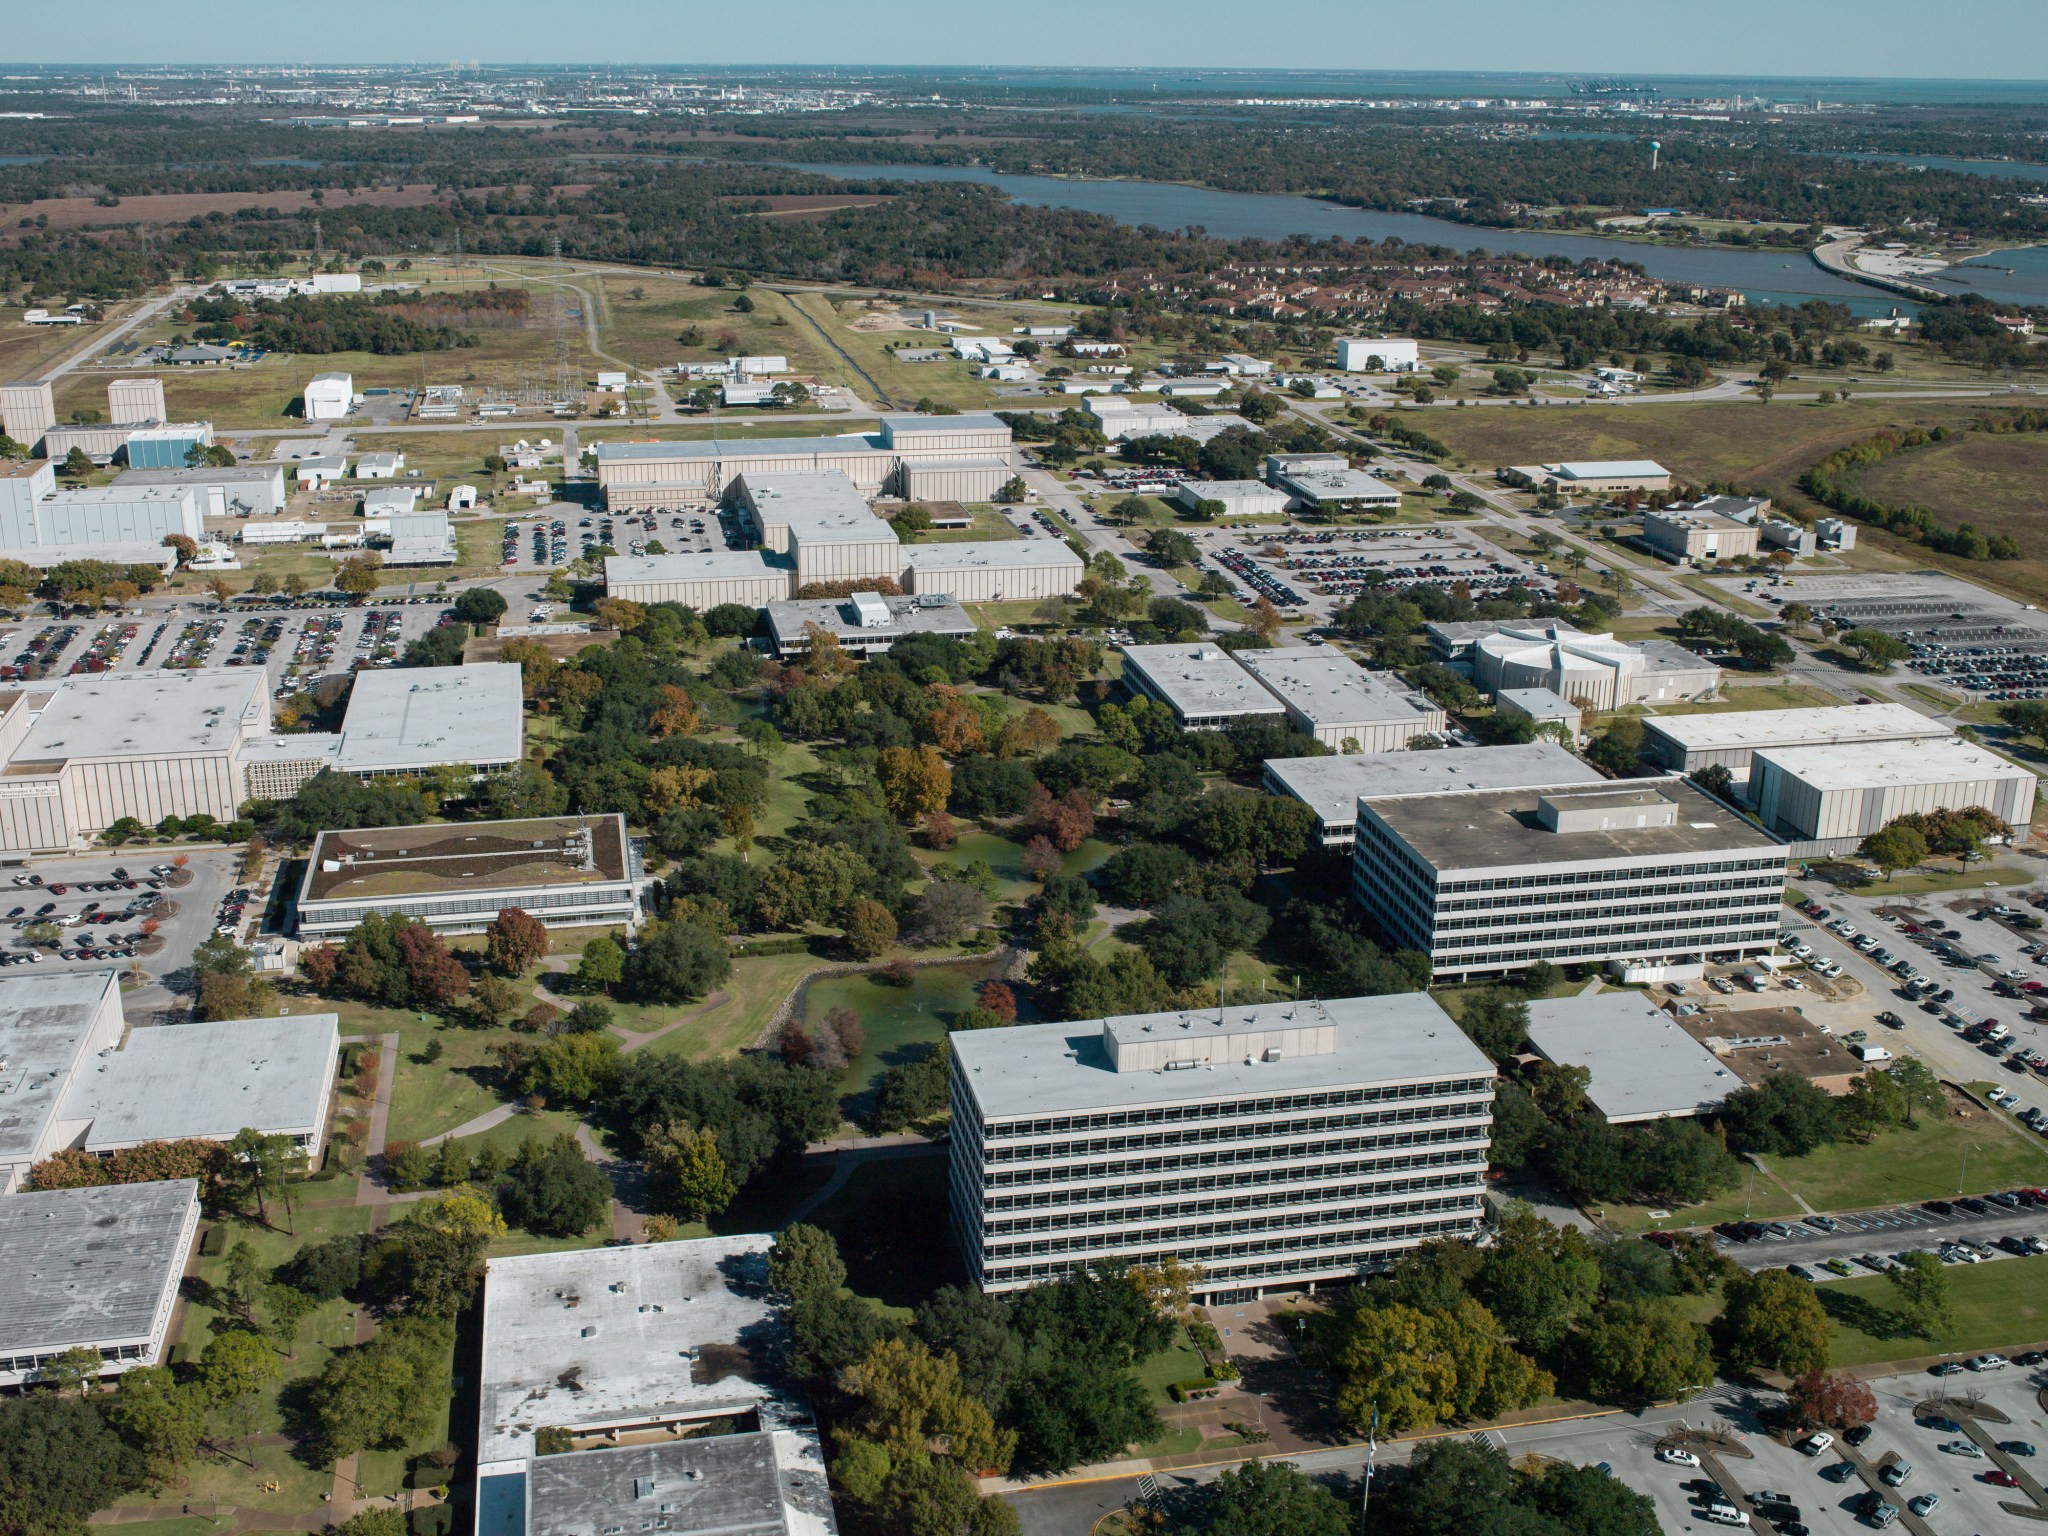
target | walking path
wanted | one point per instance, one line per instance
(369, 1191)
(878, 1149)
(635, 1041)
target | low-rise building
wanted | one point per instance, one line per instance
(1202, 684)
(658, 1364)
(1686, 538)
(1237, 498)
(1549, 711)
(1333, 786)
(403, 722)
(317, 471)
(1730, 738)
(865, 624)
(136, 402)
(1598, 477)
(1597, 670)
(1644, 1065)
(1650, 876)
(1378, 354)
(1278, 1145)
(1005, 571)
(568, 871)
(95, 1269)
(330, 396)
(28, 409)
(100, 514)
(1827, 799)
(1329, 696)
(169, 446)
(1332, 489)
(701, 581)
(241, 490)
(379, 466)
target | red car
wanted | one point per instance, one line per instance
(2000, 1478)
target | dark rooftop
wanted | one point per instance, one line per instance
(466, 856)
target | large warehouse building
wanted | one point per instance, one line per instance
(1333, 786)
(1272, 1146)
(240, 490)
(1688, 743)
(665, 476)
(1599, 477)
(1329, 696)
(1827, 799)
(1652, 877)
(38, 519)
(96, 1269)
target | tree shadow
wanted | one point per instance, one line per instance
(1864, 1315)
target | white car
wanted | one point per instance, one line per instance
(1989, 1363)
(1816, 1443)
(1678, 1458)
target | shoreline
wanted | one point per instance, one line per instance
(1833, 256)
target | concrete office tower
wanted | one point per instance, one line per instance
(1275, 1146)
(27, 411)
(136, 402)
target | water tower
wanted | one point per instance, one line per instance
(1654, 147)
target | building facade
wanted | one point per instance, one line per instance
(1651, 876)
(1332, 698)
(1827, 799)
(1275, 1146)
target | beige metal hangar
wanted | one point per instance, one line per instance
(1016, 570)
(699, 581)
(1835, 796)
(976, 479)
(821, 523)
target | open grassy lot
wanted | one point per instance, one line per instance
(26, 351)
(707, 428)
(2003, 1305)
(647, 330)
(1915, 1163)
(950, 381)
(1786, 695)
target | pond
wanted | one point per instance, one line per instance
(1006, 857)
(896, 1017)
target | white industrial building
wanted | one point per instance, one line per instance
(330, 396)
(1329, 696)
(1598, 670)
(1644, 1066)
(241, 490)
(136, 402)
(1729, 739)
(1335, 488)
(379, 466)
(568, 871)
(1202, 684)
(821, 523)
(1599, 477)
(74, 1086)
(865, 624)
(96, 1269)
(36, 516)
(1688, 537)
(1333, 786)
(1006, 571)
(651, 1361)
(317, 471)
(100, 442)
(699, 581)
(415, 538)
(402, 722)
(1827, 799)
(1274, 1146)
(1548, 711)
(1653, 878)
(1378, 354)
(1238, 498)
(664, 476)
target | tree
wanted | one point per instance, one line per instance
(235, 1367)
(870, 929)
(949, 910)
(77, 464)
(1922, 1283)
(1893, 848)
(1642, 1351)
(1264, 1498)
(60, 1462)
(904, 1398)
(689, 1176)
(1782, 1116)
(494, 999)
(359, 575)
(1497, 1021)
(1838, 1400)
(434, 977)
(163, 1418)
(674, 961)
(1617, 749)
(286, 1307)
(603, 964)
(1919, 1088)
(1771, 1320)
(1875, 649)
(551, 1189)
(1715, 779)
(1416, 1368)
(915, 781)
(804, 1263)
(386, 1392)
(480, 605)
(436, 1255)
(515, 941)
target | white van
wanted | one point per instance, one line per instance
(1870, 1053)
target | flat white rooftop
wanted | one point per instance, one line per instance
(615, 1335)
(91, 1266)
(1033, 1069)
(1541, 704)
(1607, 469)
(1333, 786)
(1885, 764)
(159, 713)
(416, 717)
(1329, 689)
(173, 1081)
(1199, 680)
(44, 1024)
(1723, 731)
(1644, 1065)
(718, 565)
(1000, 554)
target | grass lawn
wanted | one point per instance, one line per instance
(890, 1224)
(757, 986)
(1931, 881)
(895, 1018)
(1006, 857)
(188, 1525)
(1012, 615)
(2001, 1305)
(989, 526)
(1765, 1202)
(1920, 1162)
(1714, 592)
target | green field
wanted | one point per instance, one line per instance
(2001, 1305)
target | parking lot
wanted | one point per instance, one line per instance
(1972, 1230)
(547, 543)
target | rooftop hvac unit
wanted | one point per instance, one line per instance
(932, 599)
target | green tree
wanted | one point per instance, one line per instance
(603, 964)
(1921, 1281)
(1919, 1088)
(163, 1418)
(1419, 1368)
(60, 1462)
(493, 999)
(1644, 1351)
(689, 1176)
(1771, 1320)
(285, 1309)
(384, 1393)
(1497, 1021)
(235, 1368)
(1264, 1498)
(675, 961)
(804, 1263)
(1894, 847)
(1619, 748)
(1875, 649)
(870, 929)
(553, 1190)
(480, 605)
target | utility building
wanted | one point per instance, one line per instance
(28, 409)
(136, 402)
(330, 396)
(1378, 354)
(1274, 1146)
(1653, 878)
(244, 490)
(167, 447)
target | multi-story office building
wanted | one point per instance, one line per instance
(1653, 877)
(1274, 1146)
(1332, 786)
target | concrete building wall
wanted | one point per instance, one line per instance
(27, 410)
(102, 443)
(101, 517)
(1810, 810)
(847, 559)
(988, 584)
(130, 402)
(99, 792)
(962, 482)
(33, 816)
(754, 591)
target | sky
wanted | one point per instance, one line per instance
(1969, 39)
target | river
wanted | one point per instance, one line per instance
(1762, 276)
